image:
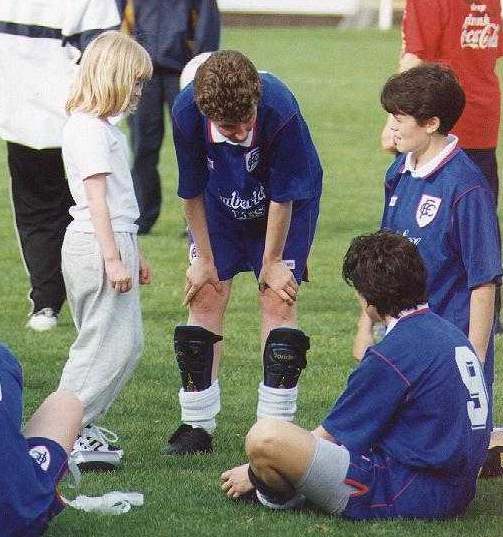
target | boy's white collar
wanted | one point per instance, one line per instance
(219, 138)
(434, 163)
(405, 313)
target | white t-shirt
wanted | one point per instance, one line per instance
(92, 146)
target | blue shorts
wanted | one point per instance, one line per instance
(49, 462)
(386, 489)
(238, 246)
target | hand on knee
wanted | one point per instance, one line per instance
(275, 311)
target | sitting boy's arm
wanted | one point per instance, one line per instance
(364, 337)
(375, 384)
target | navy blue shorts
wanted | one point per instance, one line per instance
(238, 246)
(386, 489)
(50, 463)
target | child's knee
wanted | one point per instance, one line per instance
(275, 309)
(209, 302)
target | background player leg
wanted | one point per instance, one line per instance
(40, 199)
(284, 356)
(198, 349)
(146, 127)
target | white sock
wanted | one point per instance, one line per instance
(200, 408)
(279, 403)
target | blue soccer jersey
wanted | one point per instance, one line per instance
(414, 417)
(448, 213)
(30, 468)
(279, 162)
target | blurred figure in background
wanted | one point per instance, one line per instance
(40, 44)
(172, 32)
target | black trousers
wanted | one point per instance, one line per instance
(41, 200)
(146, 127)
(485, 159)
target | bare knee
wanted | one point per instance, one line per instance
(262, 440)
(208, 302)
(275, 310)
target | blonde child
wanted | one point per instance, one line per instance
(101, 262)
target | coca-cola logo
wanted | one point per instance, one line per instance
(479, 31)
(482, 38)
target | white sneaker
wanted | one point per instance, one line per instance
(42, 320)
(93, 449)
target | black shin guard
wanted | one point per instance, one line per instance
(273, 496)
(284, 357)
(194, 354)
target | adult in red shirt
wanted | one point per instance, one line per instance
(466, 36)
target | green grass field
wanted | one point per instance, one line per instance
(336, 76)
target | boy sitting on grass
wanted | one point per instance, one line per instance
(409, 434)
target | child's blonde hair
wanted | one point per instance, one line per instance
(110, 67)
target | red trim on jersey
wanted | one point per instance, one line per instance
(399, 493)
(391, 364)
(444, 161)
(361, 488)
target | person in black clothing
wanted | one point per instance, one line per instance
(173, 32)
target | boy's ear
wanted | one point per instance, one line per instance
(432, 125)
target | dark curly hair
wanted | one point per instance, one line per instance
(387, 271)
(429, 90)
(227, 87)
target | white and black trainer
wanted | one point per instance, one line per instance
(96, 449)
(42, 320)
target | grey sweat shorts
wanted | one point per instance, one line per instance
(323, 483)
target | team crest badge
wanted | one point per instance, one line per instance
(252, 159)
(427, 210)
(42, 456)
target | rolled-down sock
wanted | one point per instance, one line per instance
(199, 409)
(279, 403)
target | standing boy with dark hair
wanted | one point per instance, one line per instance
(250, 178)
(364, 464)
(466, 36)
